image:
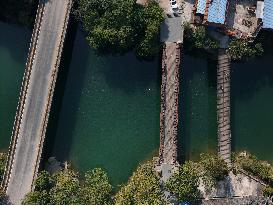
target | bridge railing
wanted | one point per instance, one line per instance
(51, 92)
(23, 93)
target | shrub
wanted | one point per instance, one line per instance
(239, 49)
(184, 184)
(268, 191)
(199, 38)
(142, 188)
(214, 169)
(96, 188)
(65, 188)
(256, 167)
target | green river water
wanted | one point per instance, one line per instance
(105, 111)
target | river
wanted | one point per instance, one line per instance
(14, 43)
(105, 111)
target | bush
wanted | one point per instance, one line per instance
(214, 169)
(96, 188)
(199, 38)
(268, 191)
(142, 188)
(65, 188)
(184, 184)
(239, 49)
(118, 26)
(252, 165)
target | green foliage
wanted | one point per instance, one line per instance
(151, 18)
(97, 189)
(65, 188)
(184, 184)
(214, 169)
(44, 181)
(268, 191)
(199, 38)
(37, 198)
(240, 49)
(3, 158)
(143, 188)
(117, 26)
(256, 167)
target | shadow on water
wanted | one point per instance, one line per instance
(105, 111)
(197, 108)
(129, 75)
(16, 40)
(251, 105)
(57, 102)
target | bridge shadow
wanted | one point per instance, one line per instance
(197, 130)
(250, 81)
(17, 45)
(52, 140)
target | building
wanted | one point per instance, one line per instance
(211, 12)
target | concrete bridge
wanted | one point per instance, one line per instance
(35, 98)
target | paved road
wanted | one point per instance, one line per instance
(27, 152)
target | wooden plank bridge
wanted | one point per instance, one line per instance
(223, 106)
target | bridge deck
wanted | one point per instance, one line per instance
(169, 103)
(223, 106)
(35, 98)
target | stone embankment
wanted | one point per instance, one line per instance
(169, 103)
(223, 106)
(35, 98)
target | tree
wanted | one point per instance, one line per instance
(37, 198)
(143, 188)
(118, 26)
(96, 188)
(240, 49)
(199, 38)
(151, 18)
(184, 183)
(66, 189)
(214, 169)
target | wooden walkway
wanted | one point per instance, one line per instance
(169, 103)
(223, 106)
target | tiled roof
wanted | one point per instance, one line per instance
(217, 11)
(201, 6)
(268, 14)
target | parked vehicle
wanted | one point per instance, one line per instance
(174, 4)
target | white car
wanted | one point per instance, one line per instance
(174, 4)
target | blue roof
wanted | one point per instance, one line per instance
(217, 11)
(268, 14)
(201, 6)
